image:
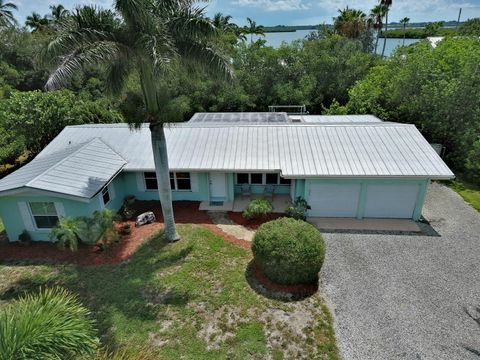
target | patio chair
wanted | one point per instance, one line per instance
(246, 190)
(268, 191)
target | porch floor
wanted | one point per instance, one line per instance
(280, 203)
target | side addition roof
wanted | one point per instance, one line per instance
(80, 170)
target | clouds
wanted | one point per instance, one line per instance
(274, 5)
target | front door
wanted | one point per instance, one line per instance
(218, 186)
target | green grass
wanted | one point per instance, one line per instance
(470, 193)
(185, 300)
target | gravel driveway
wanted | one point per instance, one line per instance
(408, 297)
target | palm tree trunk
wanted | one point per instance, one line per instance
(385, 37)
(160, 155)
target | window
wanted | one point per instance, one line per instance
(150, 181)
(105, 195)
(256, 178)
(242, 179)
(183, 181)
(284, 181)
(272, 179)
(262, 179)
(44, 214)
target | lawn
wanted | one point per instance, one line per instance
(470, 193)
(186, 300)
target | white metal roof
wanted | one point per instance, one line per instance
(375, 149)
(78, 169)
(336, 118)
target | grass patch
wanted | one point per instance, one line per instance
(187, 300)
(469, 192)
(2, 227)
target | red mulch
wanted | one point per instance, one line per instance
(186, 212)
(252, 224)
(298, 289)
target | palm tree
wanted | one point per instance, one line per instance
(6, 14)
(36, 22)
(146, 38)
(254, 29)
(404, 22)
(58, 12)
(351, 23)
(386, 4)
(376, 16)
(223, 22)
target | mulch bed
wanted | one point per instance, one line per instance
(279, 291)
(186, 212)
(252, 224)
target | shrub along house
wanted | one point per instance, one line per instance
(345, 166)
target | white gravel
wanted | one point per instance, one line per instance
(406, 297)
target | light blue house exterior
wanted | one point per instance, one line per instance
(360, 169)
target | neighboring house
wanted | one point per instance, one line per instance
(345, 166)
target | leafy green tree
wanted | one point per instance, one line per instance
(11, 146)
(471, 27)
(435, 89)
(38, 117)
(6, 14)
(144, 38)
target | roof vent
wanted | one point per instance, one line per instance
(296, 119)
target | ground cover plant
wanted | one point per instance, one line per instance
(189, 300)
(258, 208)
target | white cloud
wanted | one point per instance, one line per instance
(274, 5)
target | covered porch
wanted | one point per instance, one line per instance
(280, 203)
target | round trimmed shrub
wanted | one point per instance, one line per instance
(289, 251)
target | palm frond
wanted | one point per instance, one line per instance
(99, 53)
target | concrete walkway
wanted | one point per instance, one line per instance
(222, 220)
(408, 297)
(400, 225)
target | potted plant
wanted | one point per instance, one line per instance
(126, 229)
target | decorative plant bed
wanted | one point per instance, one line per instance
(252, 224)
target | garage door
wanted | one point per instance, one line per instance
(391, 201)
(331, 200)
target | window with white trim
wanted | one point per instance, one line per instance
(261, 179)
(179, 181)
(105, 195)
(44, 214)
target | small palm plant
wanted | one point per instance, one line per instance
(49, 325)
(65, 232)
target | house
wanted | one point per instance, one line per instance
(345, 166)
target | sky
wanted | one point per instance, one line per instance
(295, 12)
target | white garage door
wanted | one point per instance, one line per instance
(391, 201)
(332, 200)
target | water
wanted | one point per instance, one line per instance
(276, 39)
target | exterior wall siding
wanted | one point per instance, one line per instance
(12, 216)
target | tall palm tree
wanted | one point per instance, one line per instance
(6, 14)
(404, 22)
(253, 29)
(58, 12)
(387, 4)
(376, 16)
(223, 22)
(146, 38)
(36, 22)
(351, 23)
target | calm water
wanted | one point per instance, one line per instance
(276, 39)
